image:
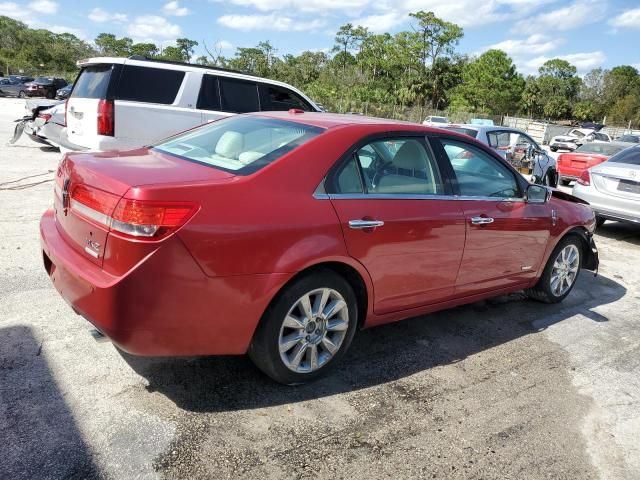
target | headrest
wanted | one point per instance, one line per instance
(230, 145)
(410, 156)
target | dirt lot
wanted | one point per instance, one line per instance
(506, 388)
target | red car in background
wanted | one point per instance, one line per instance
(281, 234)
(571, 165)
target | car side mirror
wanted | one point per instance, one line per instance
(537, 194)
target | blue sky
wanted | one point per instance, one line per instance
(588, 33)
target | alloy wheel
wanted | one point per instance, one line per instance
(313, 330)
(565, 270)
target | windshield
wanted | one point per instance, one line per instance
(240, 144)
(600, 148)
(630, 138)
(576, 133)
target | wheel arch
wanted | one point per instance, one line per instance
(590, 258)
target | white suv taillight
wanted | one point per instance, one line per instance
(106, 118)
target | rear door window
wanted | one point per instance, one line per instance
(151, 85)
(280, 98)
(238, 96)
(92, 82)
(209, 96)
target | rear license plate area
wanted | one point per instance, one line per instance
(629, 186)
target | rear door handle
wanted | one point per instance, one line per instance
(481, 220)
(360, 224)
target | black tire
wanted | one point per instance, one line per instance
(565, 182)
(553, 149)
(600, 221)
(264, 350)
(22, 94)
(543, 291)
(50, 95)
(550, 179)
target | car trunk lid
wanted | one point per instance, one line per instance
(618, 179)
(98, 195)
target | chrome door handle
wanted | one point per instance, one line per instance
(360, 224)
(481, 220)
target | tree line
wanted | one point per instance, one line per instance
(416, 67)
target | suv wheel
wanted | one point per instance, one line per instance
(21, 94)
(307, 329)
(560, 273)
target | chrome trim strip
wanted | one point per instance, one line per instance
(404, 196)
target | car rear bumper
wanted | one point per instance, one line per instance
(607, 206)
(164, 306)
(564, 145)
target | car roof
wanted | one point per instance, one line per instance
(331, 120)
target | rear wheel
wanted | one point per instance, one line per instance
(600, 221)
(50, 95)
(553, 149)
(565, 181)
(560, 273)
(307, 329)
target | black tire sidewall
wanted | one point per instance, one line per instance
(545, 281)
(264, 350)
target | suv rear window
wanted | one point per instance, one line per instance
(240, 144)
(92, 82)
(239, 96)
(280, 98)
(151, 85)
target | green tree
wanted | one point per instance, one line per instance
(186, 47)
(558, 86)
(490, 84)
(109, 45)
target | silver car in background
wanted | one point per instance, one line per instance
(613, 187)
(517, 148)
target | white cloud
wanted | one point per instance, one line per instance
(223, 45)
(302, 5)
(78, 32)
(13, 10)
(381, 23)
(577, 14)
(98, 15)
(152, 28)
(629, 19)
(269, 22)
(535, 44)
(43, 6)
(174, 9)
(582, 61)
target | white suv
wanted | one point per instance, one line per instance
(126, 103)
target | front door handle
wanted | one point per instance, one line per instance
(481, 220)
(360, 224)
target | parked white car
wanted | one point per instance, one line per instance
(125, 103)
(436, 121)
(517, 148)
(576, 137)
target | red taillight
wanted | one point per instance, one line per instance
(45, 116)
(136, 218)
(585, 178)
(105, 118)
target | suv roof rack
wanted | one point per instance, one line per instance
(174, 62)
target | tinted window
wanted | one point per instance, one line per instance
(630, 155)
(209, 96)
(465, 131)
(602, 148)
(240, 144)
(279, 98)
(43, 81)
(152, 85)
(478, 173)
(239, 96)
(629, 138)
(601, 136)
(392, 166)
(93, 82)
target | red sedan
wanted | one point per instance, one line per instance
(572, 164)
(281, 234)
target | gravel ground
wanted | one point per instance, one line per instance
(506, 388)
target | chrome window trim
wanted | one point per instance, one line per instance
(405, 196)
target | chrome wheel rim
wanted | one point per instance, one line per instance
(565, 270)
(313, 330)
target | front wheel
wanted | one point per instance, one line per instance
(600, 221)
(553, 149)
(307, 329)
(22, 94)
(560, 273)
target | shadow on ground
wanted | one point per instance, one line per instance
(622, 231)
(378, 355)
(38, 434)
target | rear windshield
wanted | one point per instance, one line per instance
(465, 131)
(630, 138)
(438, 119)
(93, 82)
(630, 156)
(240, 144)
(600, 148)
(43, 81)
